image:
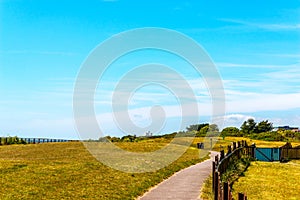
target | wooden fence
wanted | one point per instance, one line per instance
(288, 152)
(222, 191)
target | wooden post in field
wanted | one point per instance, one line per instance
(229, 193)
(217, 159)
(239, 144)
(222, 155)
(253, 151)
(241, 196)
(234, 145)
(213, 175)
(217, 182)
(225, 191)
(228, 150)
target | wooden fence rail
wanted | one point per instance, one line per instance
(222, 191)
(288, 152)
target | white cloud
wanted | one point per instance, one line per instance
(263, 102)
(234, 120)
(265, 26)
(240, 65)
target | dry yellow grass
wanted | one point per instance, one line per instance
(264, 180)
(68, 171)
(270, 181)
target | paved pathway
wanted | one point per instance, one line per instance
(183, 185)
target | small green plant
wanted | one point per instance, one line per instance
(206, 191)
(236, 169)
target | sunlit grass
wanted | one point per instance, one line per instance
(68, 171)
(206, 190)
(263, 180)
(270, 180)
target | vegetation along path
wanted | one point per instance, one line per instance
(183, 185)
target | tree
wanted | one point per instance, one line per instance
(248, 126)
(230, 131)
(213, 128)
(263, 126)
(196, 127)
(202, 132)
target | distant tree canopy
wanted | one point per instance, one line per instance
(196, 127)
(230, 131)
(263, 126)
(213, 128)
(250, 126)
(202, 132)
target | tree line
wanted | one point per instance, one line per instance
(262, 130)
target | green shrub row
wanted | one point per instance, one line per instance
(11, 140)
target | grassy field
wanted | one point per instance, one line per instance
(68, 171)
(265, 180)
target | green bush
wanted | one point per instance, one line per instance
(231, 131)
(268, 136)
(11, 140)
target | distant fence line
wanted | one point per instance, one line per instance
(222, 191)
(18, 140)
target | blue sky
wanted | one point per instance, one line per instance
(254, 44)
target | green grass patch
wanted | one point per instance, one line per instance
(288, 175)
(69, 171)
(206, 191)
(236, 169)
(270, 180)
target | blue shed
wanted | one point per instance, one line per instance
(267, 154)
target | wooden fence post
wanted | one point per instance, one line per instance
(217, 159)
(213, 175)
(225, 191)
(239, 144)
(217, 182)
(253, 151)
(228, 150)
(229, 193)
(234, 145)
(241, 196)
(222, 155)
